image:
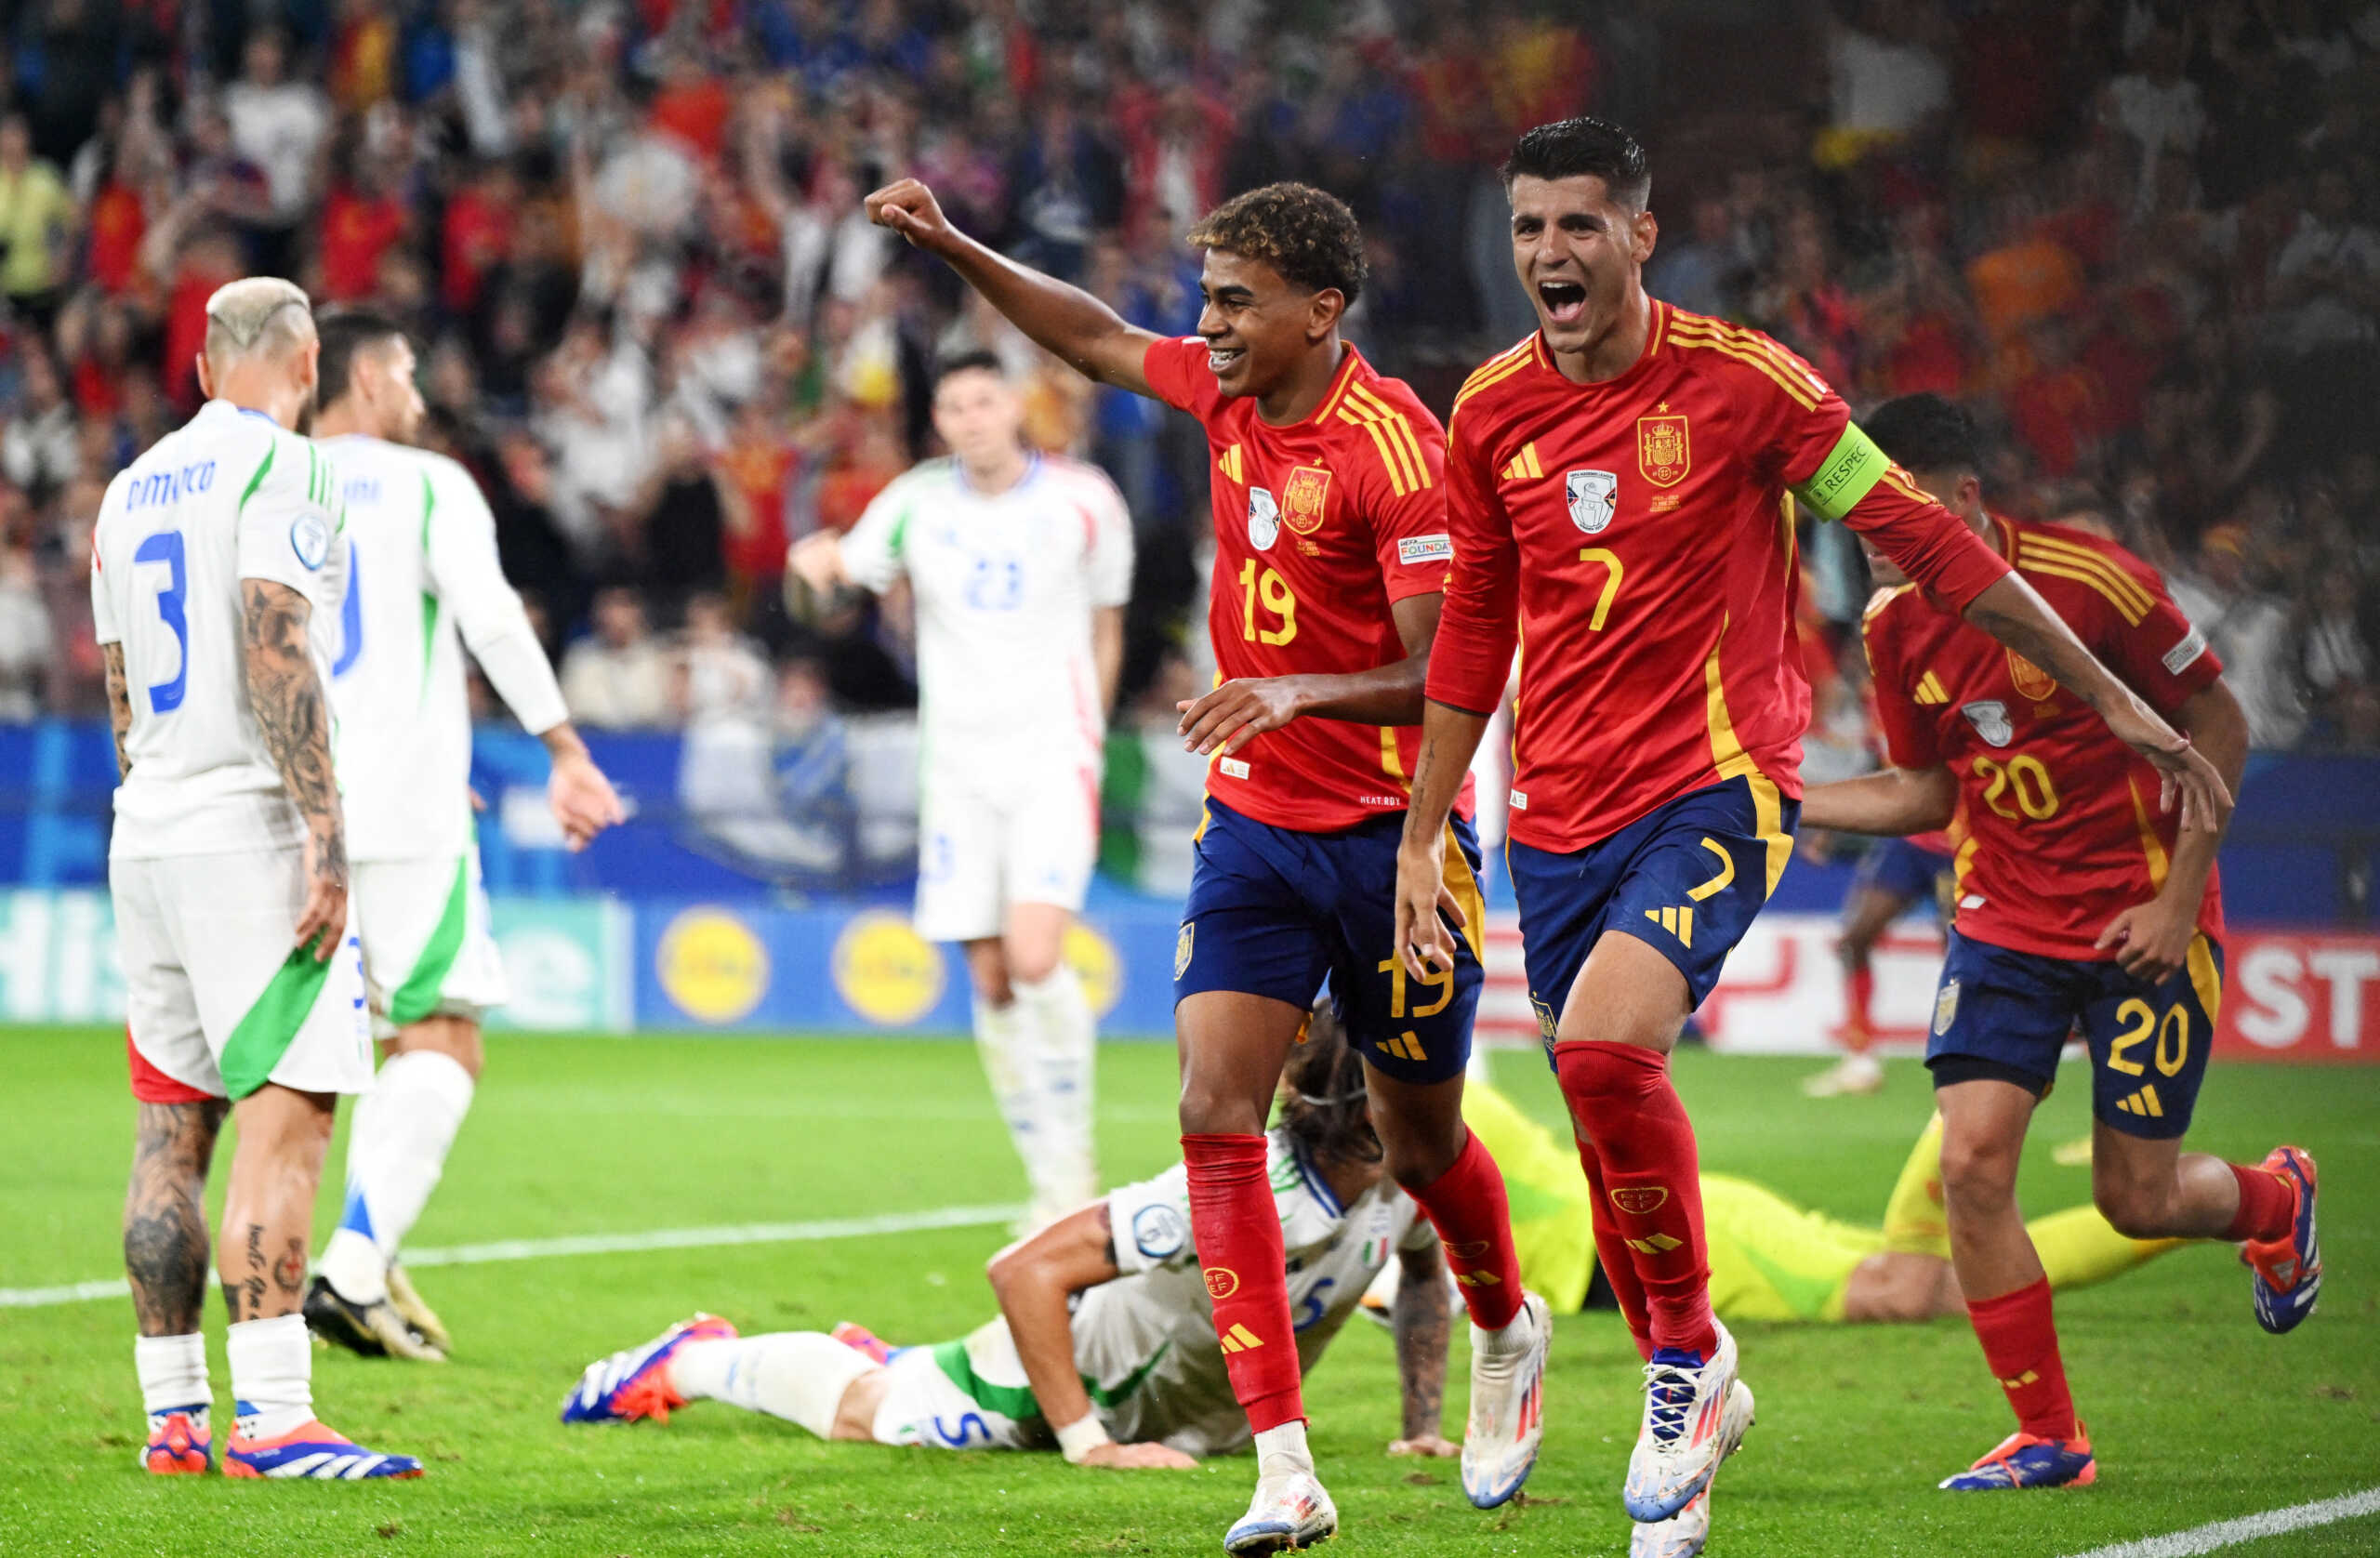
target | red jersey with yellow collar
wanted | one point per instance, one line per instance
(1636, 535)
(2063, 829)
(1319, 526)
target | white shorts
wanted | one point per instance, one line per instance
(1003, 834)
(217, 998)
(961, 1395)
(428, 950)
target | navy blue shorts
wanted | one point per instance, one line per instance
(1685, 880)
(1277, 912)
(1900, 868)
(2003, 1014)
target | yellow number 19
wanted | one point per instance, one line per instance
(1274, 591)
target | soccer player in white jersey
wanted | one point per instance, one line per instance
(424, 583)
(1020, 564)
(1106, 1345)
(216, 581)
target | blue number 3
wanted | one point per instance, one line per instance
(166, 547)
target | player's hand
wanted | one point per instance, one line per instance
(1816, 845)
(1429, 1447)
(1139, 1458)
(909, 208)
(583, 800)
(2183, 772)
(323, 921)
(817, 561)
(1237, 712)
(2152, 940)
(1423, 906)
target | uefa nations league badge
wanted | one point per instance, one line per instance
(1594, 498)
(1263, 519)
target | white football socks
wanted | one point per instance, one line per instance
(403, 1129)
(800, 1375)
(999, 1039)
(1061, 1044)
(1282, 1450)
(272, 1375)
(172, 1375)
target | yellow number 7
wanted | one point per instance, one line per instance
(1611, 583)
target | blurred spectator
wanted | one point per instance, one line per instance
(36, 221)
(618, 677)
(26, 641)
(279, 125)
(2326, 281)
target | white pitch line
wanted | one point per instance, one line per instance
(599, 1243)
(2247, 1529)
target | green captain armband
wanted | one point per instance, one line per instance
(1853, 467)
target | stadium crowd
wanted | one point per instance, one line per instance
(2141, 238)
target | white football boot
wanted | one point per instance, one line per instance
(1507, 1421)
(1682, 1534)
(1290, 1510)
(1677, 1447)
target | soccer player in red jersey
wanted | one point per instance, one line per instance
(1331, 557)
(2079, 906)
(1621, 488)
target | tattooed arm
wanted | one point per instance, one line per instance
(290, 710)
(1420, 1318)
(119, 705)
(165, 1218)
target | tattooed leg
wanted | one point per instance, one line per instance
(164, 1217)
(268, 1214)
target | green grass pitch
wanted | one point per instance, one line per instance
(2198, 1415)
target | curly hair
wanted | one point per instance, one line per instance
(1307, 234)
(1323, 1104)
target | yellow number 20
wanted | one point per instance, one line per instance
(2023, 778)
(1274, 591)
(2140, 1019)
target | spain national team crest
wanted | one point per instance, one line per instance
(2031, 680)
(1594, 498)
(1990, 718)
(1181, 949)
(1946, 1007)
(1303, 499)
(1663, 453)
(1640, 1199)
(1264, 520)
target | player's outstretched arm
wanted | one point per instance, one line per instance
(1066, 319)
(1034, 1279)
(292, 716)
(1421, 1321)
(1240, 710)
(1893, 802)
(2153, 939)
(2013, 611)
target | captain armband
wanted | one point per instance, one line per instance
(1853, 467)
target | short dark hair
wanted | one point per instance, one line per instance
(968, 363)
(1925, 432)
(1307, 234)
(1584, 147)
(344, 332)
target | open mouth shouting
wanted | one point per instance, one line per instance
(1565, 302)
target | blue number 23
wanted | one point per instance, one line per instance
(166, 547)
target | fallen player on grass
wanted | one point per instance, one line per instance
(1106, 1346)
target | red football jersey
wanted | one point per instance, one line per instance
(1318, 526)
(1639, 535)
(2063, 829)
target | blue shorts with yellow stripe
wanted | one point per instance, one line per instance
(1685, 878)
(2004, 1015)
(1275, 912)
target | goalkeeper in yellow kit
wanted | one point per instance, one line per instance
(1771, 1260)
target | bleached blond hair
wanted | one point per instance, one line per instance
(256, 316)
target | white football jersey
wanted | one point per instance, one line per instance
(424, 581)
(230, 495)
(1145, 1342)
(1006, 584)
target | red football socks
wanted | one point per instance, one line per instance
(1621, 1097)
(2267, 1204)
(1613, 1255)
(1237, 1230)
(1860, 986)
(1466, 1206)
(2020, 1343)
